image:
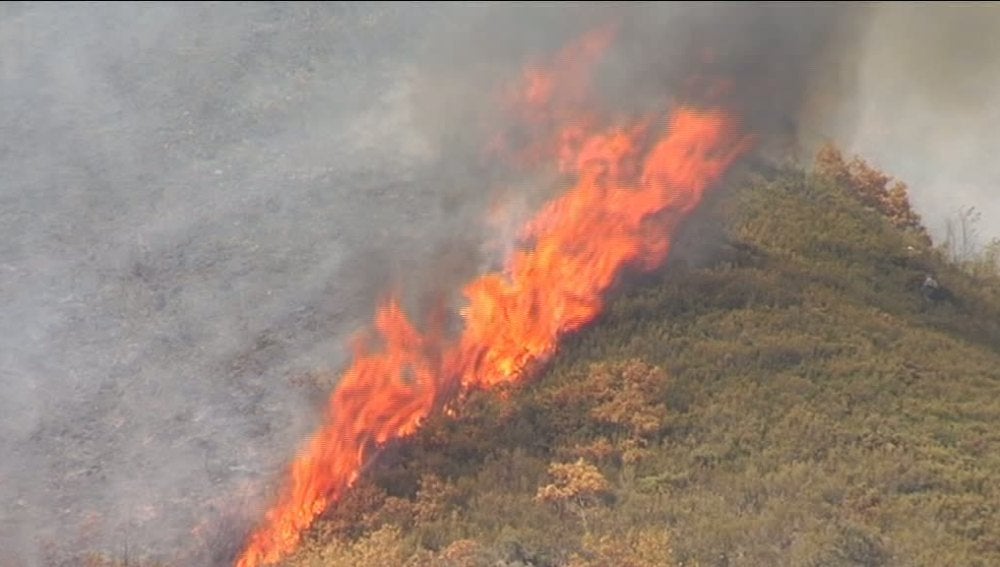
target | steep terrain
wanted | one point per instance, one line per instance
(781, 394)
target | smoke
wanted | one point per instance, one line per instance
(773, 55)
(201, 202)
(923, 106)
(186, 197)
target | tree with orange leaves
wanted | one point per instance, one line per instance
(872, 187)
(577, 487)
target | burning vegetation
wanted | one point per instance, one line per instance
(708, 412)
(631, 185)
(618, 440)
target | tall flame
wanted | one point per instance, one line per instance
(627, 198)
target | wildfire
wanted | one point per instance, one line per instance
(631, 186)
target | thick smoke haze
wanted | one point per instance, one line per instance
(194, 200)
(199, 203)
(923, 103)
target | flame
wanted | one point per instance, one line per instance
(548, 106)
(622, 211)
(631, 187)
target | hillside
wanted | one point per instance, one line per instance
(782, 394)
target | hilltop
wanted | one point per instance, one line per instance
(782, 393)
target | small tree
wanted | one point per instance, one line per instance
(961, 245)
(961, 234)
(630, 396)
(577, 487)
(872, 187)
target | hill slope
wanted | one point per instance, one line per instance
(782, 394)
(793, 401)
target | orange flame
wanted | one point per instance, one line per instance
(628, 196)
(548, 106)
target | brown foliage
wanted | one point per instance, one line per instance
(872, 187)
(628, 394)
(646, 547)
(578, 483)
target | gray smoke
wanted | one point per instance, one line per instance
(187, 199)
(924, 106)
(200, 203)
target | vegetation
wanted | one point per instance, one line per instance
(962, 245)
(871, 188)
(796, 401)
